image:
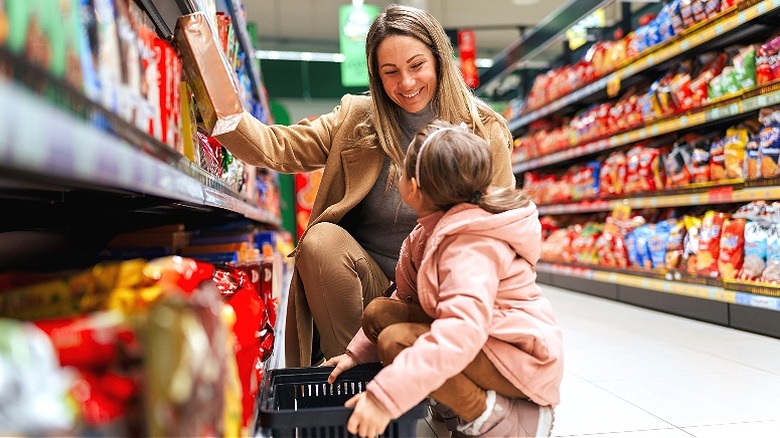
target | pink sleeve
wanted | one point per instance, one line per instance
(362, 349)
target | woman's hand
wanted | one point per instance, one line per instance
(342, 363)
(369, 418)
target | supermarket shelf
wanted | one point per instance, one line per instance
(164, 13)
(712, 195)
(692, 38)
(240, 25)
(537, 39)
(713, 303)
(71, 150)
(743, 103)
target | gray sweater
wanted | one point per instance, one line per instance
(381, 222)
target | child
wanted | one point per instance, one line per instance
(467, 323)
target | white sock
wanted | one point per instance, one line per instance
(472, 428)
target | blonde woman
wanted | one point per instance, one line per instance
(467, 325)
(347, 255)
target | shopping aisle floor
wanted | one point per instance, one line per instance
(637, 373)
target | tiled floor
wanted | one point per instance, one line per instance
(637, 373)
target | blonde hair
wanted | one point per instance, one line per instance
(453, 100)
(453, 166)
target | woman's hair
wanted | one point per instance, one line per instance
(453, 100)
(453, 166)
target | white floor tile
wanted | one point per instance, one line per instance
(705, 399)
(764, 429)
(588, 409)
(635, 372)
(656, 433)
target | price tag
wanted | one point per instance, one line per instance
(685, 45)
(720, 195)
(762, 101)
(697, 119)
(719, 29)
(684, 121)
(715, 113)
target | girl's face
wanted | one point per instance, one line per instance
(408, 72)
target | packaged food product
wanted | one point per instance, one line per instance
(675, 246)
(657, 243)
(709, 244)
(691, 243)
(732, 248)
(771, 273)
(210, 76)
(754, 263)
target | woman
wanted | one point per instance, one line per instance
(347, 255)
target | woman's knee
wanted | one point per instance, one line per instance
(322, 240)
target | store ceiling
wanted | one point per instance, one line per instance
(312, 25)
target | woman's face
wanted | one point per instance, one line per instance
(408, 72)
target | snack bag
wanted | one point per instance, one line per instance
(754, 263)
(771, 273)
(700, 161)
(709, 244)
(732, 246)
(752, 158)
(675, 245)
(677, 166)
(734, 145)
(769, 143)
(657, 243)
(717, 160)
(691, 243)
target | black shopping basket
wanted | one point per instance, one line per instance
(299, 402)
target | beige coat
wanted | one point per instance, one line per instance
(349, 173)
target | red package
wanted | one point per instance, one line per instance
(643, 170)
(732, 246)
(709, 244)
(88, 341)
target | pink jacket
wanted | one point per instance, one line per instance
(475, 276)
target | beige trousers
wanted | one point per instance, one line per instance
(339, 280)
(394, 325)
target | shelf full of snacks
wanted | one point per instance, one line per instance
(655, 176)
(141, 269)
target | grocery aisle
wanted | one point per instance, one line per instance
(632, 372)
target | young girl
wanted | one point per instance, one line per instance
(467, 323)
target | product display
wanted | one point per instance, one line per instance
(655, 180)
(131, 337)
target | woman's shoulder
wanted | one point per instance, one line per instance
(355, 107)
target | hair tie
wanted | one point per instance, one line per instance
(475, 197)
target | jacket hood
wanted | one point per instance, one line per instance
(519, 228)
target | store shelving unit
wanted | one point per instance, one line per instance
(66, 163)
(747, 306)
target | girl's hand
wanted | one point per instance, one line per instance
(342, 363)
(369, 419)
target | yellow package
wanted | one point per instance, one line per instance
(734, 146)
